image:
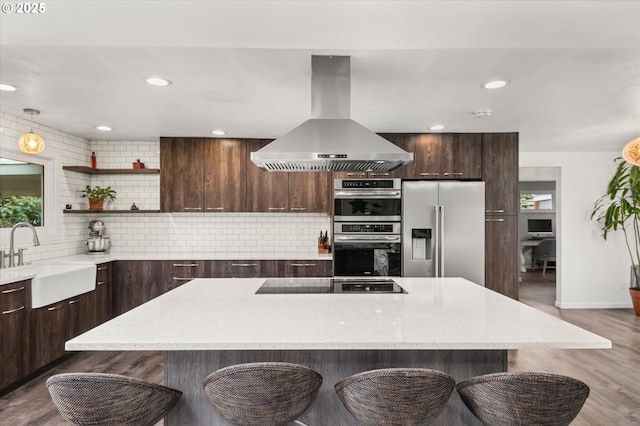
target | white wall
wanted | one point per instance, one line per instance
(247, 233)
(591, 273)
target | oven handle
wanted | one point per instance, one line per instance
(367, 194)
(367, 239)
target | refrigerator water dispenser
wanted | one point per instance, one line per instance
(421, 244)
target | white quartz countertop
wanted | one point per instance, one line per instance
(436, 313)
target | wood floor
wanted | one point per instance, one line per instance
(612, 374)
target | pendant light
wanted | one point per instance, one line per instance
(31, 143)
(631, 152)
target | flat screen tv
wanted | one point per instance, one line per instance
(539, 227)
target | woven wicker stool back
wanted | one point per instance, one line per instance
(396, 396)
(524, 398)
(108, 399)
(262, 393)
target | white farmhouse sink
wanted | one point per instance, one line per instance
(53, 283)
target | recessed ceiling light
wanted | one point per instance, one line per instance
(104, 128)
(8, 88)
(495, 84)
(157, 81)
(436, 127)
(218, 132)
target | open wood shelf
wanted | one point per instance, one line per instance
(90, 171)
(111, 211)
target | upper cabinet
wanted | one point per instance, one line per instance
(500, 173)
(439, 156)
(217, 175)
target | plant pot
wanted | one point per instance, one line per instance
(138, 165)
(95, 204)
(635, 299)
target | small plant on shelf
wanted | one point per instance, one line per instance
(97, 195)
(138, 164)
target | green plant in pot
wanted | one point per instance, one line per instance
(619, 210)
(97, 195)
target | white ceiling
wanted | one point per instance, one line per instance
(245, 66)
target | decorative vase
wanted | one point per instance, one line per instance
(95, 204)
(635, 299)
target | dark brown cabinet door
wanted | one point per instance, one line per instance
(427, 155)
(81, 314)
(103, 292)
(310, 192)
(48, 333)
(308, 268)
(500, 173)
(242, 268)
(181, 175)
(179, 272)
(461, 155)
(225, 174)
(266, 191)
(14, 329)
(502, 260)
(134, 283)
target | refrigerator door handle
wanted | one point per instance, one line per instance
(442, 242)
(436, 241)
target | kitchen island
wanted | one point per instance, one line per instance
(448, 324)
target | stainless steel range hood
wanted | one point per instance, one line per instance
(330, 140)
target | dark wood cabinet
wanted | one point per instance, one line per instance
(310, 192)
(178, 272)
(307, 268)
(502, 261)
(182, 176)
(243, 268)
(266, 191)
(134, 283)
(14, 329)
(103, 292)
(500, 173)
(225, 172)
(82, 314)
(49, 331)
(461, 156)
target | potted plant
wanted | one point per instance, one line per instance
(619, 210)
(97, 195)
(138, 164)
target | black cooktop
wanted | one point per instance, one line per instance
(328, 285)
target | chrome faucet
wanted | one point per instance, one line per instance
(11, 255)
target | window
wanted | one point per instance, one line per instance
(530, 201)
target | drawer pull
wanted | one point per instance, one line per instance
(185, 265)
(378, 174)
(303, 265)
(295, 209)
(10, 311)
(454, 174)
(13, 290)
(277, 208)
(182, 278)
(494, 211)
(215, 208)
(429, 174)
(494, 220)
(103, 268)
(53, 308)
(192, 208)
(72, 302)
(101, 282)
(244, 265)
(356, 174)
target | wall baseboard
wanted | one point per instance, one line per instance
(591, 305)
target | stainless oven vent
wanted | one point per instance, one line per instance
(330, 140)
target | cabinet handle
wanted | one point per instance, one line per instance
(429, 174)
(494, 220)
(103, 268)
(277, 208)
(454, 174)
(10, 311)
(494, 211)
(302, 265)
(356, 174)
(297, 208)
(244, 265)
(182, 278)
(192, 208)
(71, 302)
(101, 282)
(378, 174)
(13, 290)
(53, 308)
(215, 208)
(185, 265)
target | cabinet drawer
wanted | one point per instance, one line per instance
(103, 273)
(242, 268)
(14, 294)
(308, 268)
(187, 268)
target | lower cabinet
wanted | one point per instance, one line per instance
(135, 282)
(82, 315)
(243, 268)
(48, 333)
(502, 261)
(14, 329)
(103, 292)
(308, 268)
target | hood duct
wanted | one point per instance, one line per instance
(330, 140)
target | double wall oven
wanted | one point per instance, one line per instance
(367, 232)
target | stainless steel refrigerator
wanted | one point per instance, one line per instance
(443, 229)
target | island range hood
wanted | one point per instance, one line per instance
(330, 140)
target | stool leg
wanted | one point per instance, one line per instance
(544, 267)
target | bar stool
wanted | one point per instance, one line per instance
(524, 398)
(262, 393)
(396, 396)
(98, 398)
